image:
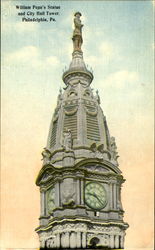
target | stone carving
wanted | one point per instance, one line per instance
(101, 148)
(114, 152)
(94, 241)
(93, 147)
(69, 235)
(97, 239)
(67, 140)
(87, 93)
(97, 97)
(46, 176)
(115, 229)
(71, 111)
(68, 193)
(97, 176)
(69, 227)
(68, 198)
(51, 200)
(65, 87)
(100, 229)
(55, 117)
(77, 33)
(102, 154)
(99, 152)
(72, 93)
(60, 98)
(50, 243)
(96, 168)
(90, 112)
(59, 101)
(46, 155)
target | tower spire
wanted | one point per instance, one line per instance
(77, 33)
(80, 181)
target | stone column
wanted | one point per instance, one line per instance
(114, 195)
(78, 192)
(116, 241)
(59, 132)
(120, 197)
(82, 192)
(48, 243)
(122, 242)
(54, 241)
(57, 194)
(84, 128)
(78, 240)
(83, 240)
(42, 243)
(117, 196)
(111, 195)
(65, 240)
(58, 240)
(73, 239)
(80, 127)
(101, 125)
(111, 241)
(42, 203)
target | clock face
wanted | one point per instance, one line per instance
(50, 200)
(95, 195)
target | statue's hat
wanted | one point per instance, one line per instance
(77, 13)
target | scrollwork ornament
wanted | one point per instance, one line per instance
(71, 112)
(92, 113)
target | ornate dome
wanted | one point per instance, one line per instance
(77, 66)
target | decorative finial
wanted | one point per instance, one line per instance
(77, 33)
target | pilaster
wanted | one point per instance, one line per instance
(57, 192)
(84, 244)
(112, 244)
(116, 241)
(42, 203)
(122, 242)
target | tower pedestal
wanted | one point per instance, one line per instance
(82, 234)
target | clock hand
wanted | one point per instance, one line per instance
(100, 200)
(93, 194)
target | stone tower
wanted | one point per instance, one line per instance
(80, 181)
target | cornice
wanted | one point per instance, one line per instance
(82, 219)
(76, 172)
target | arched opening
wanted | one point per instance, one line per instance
(94, 241)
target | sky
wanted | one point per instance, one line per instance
(118, 46)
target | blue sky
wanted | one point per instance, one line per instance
(118, 45)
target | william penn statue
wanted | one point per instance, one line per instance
(77, 33)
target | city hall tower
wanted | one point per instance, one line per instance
(80, 180)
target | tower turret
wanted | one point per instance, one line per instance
(80, 180)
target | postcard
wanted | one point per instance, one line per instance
(86, 180)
